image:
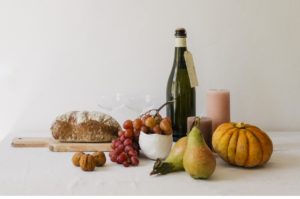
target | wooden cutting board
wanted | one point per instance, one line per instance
(57, 146)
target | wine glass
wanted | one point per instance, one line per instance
(110, 101)
(140, 102)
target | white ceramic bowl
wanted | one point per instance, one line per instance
(156, 146)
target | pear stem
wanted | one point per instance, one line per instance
(197, 119)
(163, 168)
(196, 122)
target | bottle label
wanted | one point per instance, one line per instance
(180, 42)
(191, 68)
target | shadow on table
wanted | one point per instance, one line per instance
(278, 162)
(108, 165)
(226, 172)
(287, 146)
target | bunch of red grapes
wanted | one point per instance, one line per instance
(126, 147)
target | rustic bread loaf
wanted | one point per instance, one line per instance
(84, 126)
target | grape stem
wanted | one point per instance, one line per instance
(157, 110)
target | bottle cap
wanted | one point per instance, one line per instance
(180, 32)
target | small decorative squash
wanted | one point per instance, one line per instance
(100, 158)
(87, 162)
(242, 144)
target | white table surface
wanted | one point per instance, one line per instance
(38, 171)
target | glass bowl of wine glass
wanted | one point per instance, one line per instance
(110, 101)
(140, 102)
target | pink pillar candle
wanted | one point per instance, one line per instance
(218, 106)
(205, 127)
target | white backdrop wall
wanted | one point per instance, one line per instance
(56, 55)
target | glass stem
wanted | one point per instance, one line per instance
(109, 112)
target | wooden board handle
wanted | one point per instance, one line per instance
(57, 146)
(31, 141)
(75, 147)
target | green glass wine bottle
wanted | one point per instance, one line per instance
(179, 89)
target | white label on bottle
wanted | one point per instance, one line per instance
(191, 68)
(180, 42)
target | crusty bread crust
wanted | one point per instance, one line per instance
(84, 126)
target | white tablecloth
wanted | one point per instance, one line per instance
(38, 171)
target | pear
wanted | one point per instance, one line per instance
(174, 161)
(198, 160)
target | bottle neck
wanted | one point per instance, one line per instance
(180, 42)
(180, 48)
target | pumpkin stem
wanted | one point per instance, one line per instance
(240, 125)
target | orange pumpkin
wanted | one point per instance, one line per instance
(242, 144)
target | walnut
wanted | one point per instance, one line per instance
(100, 158)
(76, 157)
(87, 162)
